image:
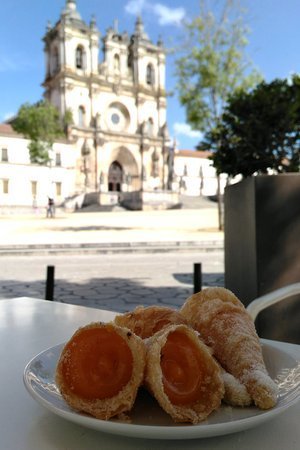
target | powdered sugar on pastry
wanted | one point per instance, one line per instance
(228, 329)
(145, 322)
(235, 392)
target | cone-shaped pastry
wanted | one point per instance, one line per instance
(100, 369)
(182, 375)
(145, 322)
(228, 329)
(236, 393)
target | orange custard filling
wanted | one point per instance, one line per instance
(98, 363)
(182, 369)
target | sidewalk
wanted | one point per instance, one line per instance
(161, 246)
(111, 231)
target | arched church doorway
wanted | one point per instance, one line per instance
(115, 177)
(122, 158)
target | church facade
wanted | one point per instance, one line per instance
(117, 147)
(118, 105)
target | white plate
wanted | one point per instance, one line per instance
(148, 420)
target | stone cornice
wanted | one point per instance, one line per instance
(123, 89)
(115, 136)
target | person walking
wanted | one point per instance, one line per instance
(50, 208)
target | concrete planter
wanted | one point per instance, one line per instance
(262, 247)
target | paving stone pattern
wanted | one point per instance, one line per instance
(119, 293)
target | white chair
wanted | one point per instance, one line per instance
(263, 302)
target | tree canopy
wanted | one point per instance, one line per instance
(41, 124)
(259, 130)
(213, 64)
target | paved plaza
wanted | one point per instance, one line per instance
(111, 260)
(112, 281)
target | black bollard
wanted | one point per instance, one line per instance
(197, 277)
(49, 283)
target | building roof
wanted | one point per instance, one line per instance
(193, 153)
(7, 129)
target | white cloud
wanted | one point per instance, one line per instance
(184, 129)
(135, 6)
(168, 16)
(8, 115)
(165, 15)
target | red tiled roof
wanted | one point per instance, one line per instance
(7, 129)
(193, 153)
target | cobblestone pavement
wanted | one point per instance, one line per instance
(116, 282)
(114, 260)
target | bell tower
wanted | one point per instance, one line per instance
(147, 62)
(72, 52)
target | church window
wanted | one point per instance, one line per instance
(115, 118)
(55, 60)
(58, 189)
(117, 63)
(5, 186)
(150, 75)
(4, 155)
(81, 116)
(57, 159)
(34, 188)
(150, 126)
(79, 57)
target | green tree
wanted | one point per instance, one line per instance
(41, 124)
(260, 130)
(213, 65)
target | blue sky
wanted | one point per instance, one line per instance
(274, 43)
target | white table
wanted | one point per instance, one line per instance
(29, 326)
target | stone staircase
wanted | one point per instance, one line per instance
(196, 202)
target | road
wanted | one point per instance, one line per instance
(111, 281)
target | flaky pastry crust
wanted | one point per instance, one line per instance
(226, 327)
(146, 321)
(211, 388)
(122, 401)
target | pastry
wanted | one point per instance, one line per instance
(145, 322)
(226, 327)
(182, 375)
(100, 369)
(236, 393)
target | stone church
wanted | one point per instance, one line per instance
(117, 149)
(118, 105)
